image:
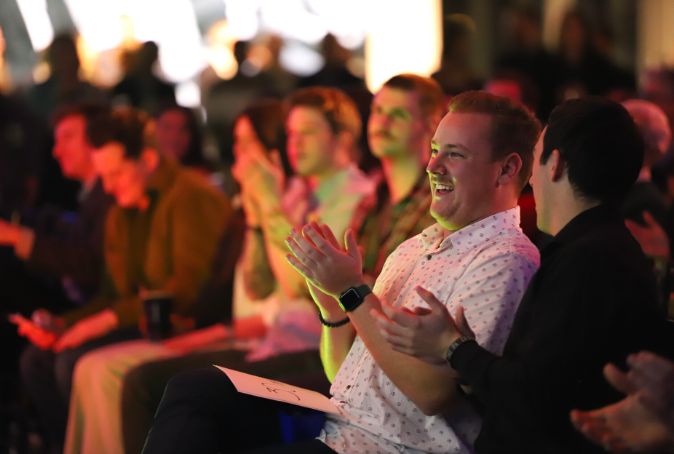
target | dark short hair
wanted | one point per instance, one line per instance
(514, 128)
(124, 125)
(87, 110)
(599, 144)
(337, 107)
(266, 116)
(431, 97)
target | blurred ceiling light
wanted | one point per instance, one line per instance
(300, 59)
(242, 17)
(181, 54)
(95, 22)
(188, 94)
(409, 40)
(220, 53)
(37, 22)
(344, 19)
(292, 20)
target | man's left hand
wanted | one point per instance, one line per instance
(319, 258)
(87, 329)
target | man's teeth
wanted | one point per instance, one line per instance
(443, 187)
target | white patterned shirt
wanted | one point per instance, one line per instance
(484, 267)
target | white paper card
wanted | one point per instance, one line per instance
(276, 390)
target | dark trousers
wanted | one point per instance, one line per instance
(201, 411)
(47, 378)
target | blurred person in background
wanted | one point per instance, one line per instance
(403, 117)
(127, 380)
(644, 207)
(179, 136)
(58, 243)
(322, 125)
(64, 86)
(160, 235)
(526, 55)
(52, 258)
(584, 70)
(456, 73)
(140, 87)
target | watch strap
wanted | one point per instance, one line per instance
(453, 346)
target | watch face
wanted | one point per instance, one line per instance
(350, 299)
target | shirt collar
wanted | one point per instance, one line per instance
(472, 234)
(601, 214)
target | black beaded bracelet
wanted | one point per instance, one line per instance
(329, 324)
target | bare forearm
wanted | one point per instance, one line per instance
(258, 278)
(276, 229)
(335, 342)
(431, 388)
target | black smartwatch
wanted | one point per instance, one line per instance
(353, 297)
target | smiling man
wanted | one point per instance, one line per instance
(475, 256)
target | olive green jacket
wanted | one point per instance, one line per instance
(187, 218)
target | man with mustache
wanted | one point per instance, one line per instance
(475, 257)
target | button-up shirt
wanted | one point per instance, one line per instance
(484, 267)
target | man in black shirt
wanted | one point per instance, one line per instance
(593, 300)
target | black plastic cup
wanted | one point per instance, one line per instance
(157, 305)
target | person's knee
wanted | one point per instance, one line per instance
(200, 387)
(85, 370)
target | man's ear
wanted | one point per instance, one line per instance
(510, 169)
(150, 159)
(556, 165)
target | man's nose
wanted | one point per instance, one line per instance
(435, 167)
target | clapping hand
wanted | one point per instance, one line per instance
(318, 257)
(425, 333)
(644, 420)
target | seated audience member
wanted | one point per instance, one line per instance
(592, 301)
(160, 235)
(322, 125)
(403, 117)
(56, 245)
(179, 136)
(475, 256)
(644, 206)
(104, 375)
